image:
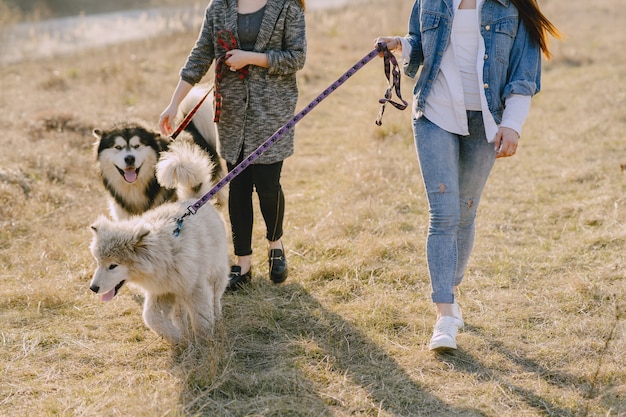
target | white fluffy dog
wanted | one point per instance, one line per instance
(186, 272)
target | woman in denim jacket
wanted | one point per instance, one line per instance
(480, 65)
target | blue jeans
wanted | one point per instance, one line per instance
(455, 169)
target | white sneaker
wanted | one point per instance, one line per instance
(456, 311)
(444, 335)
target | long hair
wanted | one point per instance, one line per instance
(302, 3)
(537, 24)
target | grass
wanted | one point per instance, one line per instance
(346, 335)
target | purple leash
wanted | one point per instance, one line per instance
(394, 83)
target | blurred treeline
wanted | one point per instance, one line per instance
(47, 9)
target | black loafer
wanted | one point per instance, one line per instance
(236, 279)
(278, 266)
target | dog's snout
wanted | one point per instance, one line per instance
(130, 160)
(95, 288)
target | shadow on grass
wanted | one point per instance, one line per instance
(286, 355)
(462, 361)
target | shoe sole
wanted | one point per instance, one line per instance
(442, 347)
(278, 280)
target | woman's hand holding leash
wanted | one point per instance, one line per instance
(237, 59)
(166, 120)
(393, 43)
(168, 117)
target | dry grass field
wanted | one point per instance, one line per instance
(544, 297)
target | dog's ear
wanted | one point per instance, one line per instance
(141, 233)
(96, 225)
(97, 133)
(144, 234)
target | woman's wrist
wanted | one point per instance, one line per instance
(258, 59)
(398, 43)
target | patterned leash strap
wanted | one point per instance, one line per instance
(393, 78)
(227, 41)
(394, 81)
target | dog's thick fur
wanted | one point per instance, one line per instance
(178, 274)
(127, 155)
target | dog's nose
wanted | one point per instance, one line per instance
(129, 159)
(95, 288)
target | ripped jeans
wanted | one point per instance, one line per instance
(455, 169)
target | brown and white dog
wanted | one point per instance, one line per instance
(127, 155)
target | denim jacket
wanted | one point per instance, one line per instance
(512, 60)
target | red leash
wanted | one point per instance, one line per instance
(188, 118)
(228, 42)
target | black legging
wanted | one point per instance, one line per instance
(266, 180)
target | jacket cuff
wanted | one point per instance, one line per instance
(188, 79)
(523, 88)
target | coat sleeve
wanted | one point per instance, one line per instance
(201, 56)
(293, 55)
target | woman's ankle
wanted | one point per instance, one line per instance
(277, 244)
(245, 262)
(444, 309)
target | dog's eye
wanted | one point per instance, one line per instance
(118, 147)
(136, 146)
(112, 266)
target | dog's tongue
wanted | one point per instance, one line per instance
(108, 296)
(130, 175)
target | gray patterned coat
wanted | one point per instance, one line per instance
(253, 109)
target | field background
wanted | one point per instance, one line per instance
(347, 334)
(38, 9)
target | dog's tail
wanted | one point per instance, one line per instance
(202, 128)
(202, 122)
(186, 168)
(204, 133)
